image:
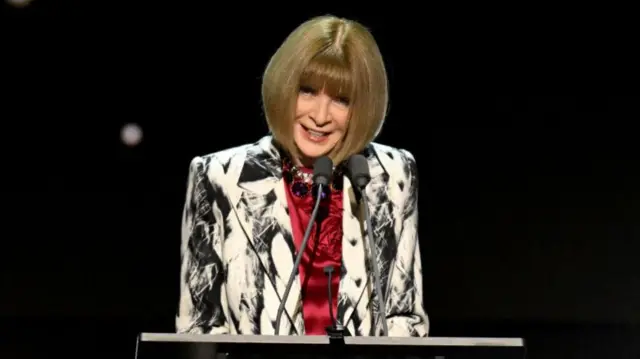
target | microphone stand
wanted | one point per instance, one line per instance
(296, 263)
(382, 312)
(360, 177)
(336, 331)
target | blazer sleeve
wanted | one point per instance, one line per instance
(406, 313)
(202, 296)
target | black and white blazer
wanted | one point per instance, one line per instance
(238, 251)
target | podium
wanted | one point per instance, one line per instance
(197, 346)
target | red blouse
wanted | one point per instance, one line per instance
(324, 248)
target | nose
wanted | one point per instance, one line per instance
(320, 114)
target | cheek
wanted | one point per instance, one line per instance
(300, 107)
(342, 120)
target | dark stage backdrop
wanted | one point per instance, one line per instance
(524, 135)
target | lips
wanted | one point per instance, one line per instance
(315, 136)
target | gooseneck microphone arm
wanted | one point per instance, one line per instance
(322, 171)
(298, 259)
(360, 177)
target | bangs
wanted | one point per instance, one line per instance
(331, 73)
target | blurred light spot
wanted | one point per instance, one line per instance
(19, 3)
(131, 134)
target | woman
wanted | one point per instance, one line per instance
(324, 93)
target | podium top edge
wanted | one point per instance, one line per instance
(320, 339)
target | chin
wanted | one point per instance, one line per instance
(313, 152)
(310, 150)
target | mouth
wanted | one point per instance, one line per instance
(316, 136)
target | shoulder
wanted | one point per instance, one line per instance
(220, 159)
(400, 166)
(395, 161)
(227, 162)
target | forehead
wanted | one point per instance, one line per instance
(333, 75)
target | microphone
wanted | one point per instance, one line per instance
(358, 170)
(322, 171)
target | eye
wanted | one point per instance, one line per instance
(343, 100)
(307, 90)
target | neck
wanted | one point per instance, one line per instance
(303, 162)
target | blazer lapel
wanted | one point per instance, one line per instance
(263, 214)
(356, 296)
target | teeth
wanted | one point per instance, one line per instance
(316, 134)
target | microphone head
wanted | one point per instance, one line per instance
(358, 169)
(322, 170)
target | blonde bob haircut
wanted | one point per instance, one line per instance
(338, 56)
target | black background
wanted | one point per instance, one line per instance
(522, 122)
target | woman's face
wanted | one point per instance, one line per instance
(320, 124)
